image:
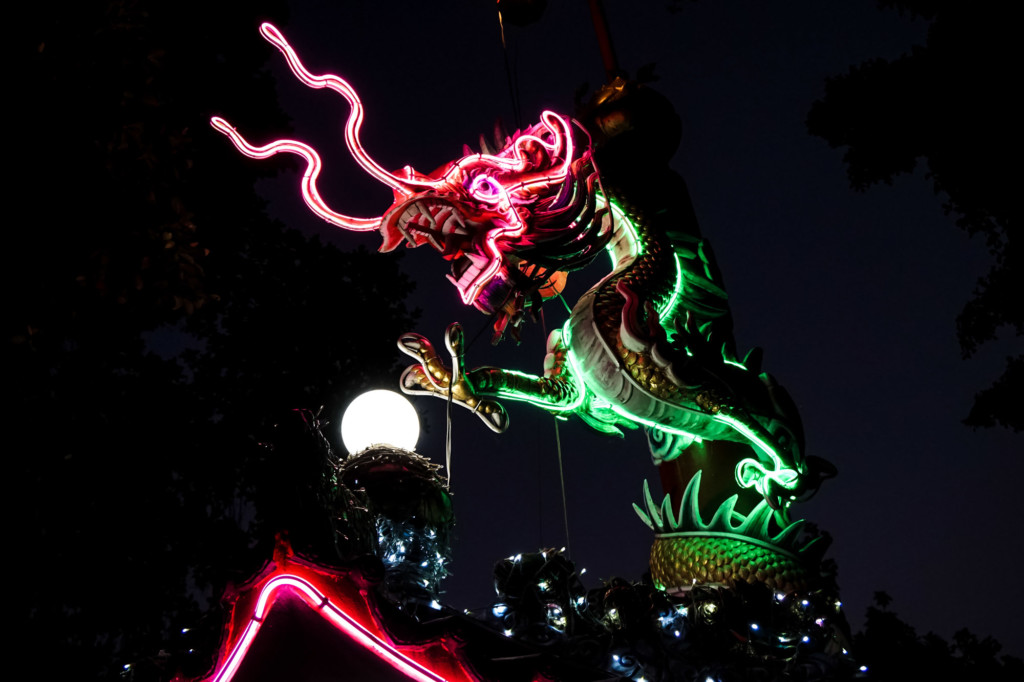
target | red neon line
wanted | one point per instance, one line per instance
(333, 613)
(561, 147)
(313, 165)
(355, 119)
(513, 160)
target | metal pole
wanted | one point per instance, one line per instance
(604, 39)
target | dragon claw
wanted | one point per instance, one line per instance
(493, 414)
(414, 344)
(415, 381)
(432, 377)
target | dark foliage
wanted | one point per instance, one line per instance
(892, 650)
(155, 318)
(953, 104)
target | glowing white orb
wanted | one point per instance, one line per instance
(380, 417)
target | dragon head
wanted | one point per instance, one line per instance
(509, 220)
(506, 220)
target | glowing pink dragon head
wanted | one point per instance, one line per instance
(506, 219)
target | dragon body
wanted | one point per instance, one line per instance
(648, 345)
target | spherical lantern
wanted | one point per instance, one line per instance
(380, 417)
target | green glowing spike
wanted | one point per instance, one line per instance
(628, 232)
(666, 310)
(666, 510)
(726, 513)
(643, 517)
(689, 509)
(656, 517)
(755, 527)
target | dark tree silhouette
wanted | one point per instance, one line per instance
(892, 650)
(158, 324)
(952, 103)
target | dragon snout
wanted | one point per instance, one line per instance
(426, 219)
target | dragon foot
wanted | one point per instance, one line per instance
(431, 377)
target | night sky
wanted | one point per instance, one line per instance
(853, 296)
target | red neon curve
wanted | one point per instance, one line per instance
(309, 191)
(515, 159)
(338, 617)
(560, 148)
(355, 118)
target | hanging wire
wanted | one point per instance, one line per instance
(510, 76)
(448, 436)
(540, 468)
(448, 409)
(488, 323)
(565, 499)
(558, 450)
(514, 95)
(540, 491)
(564, 303)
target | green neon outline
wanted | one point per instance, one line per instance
(623, 412)
(751, 436)
(581, 387)
(749, 472)
(674, 299)
(782, 475)
(636, 249)
(620, 218)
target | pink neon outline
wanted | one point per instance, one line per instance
(515, 227)
(355, 118)
(320, 602)
(512, 160)
(313, 165)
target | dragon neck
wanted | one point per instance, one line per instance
(653, 267)
(643, 258)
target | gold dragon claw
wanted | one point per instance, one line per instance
(430, 376)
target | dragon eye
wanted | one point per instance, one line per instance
(484, 188)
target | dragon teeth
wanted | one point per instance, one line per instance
(434, 241)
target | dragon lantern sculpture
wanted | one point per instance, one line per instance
(649, 345)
